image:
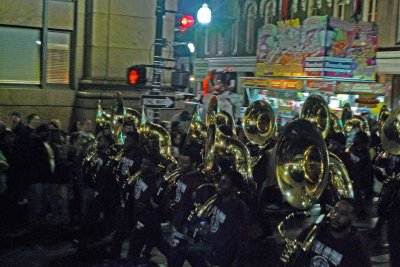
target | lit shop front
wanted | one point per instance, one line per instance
(325, 56)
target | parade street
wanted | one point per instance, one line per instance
(54, 247)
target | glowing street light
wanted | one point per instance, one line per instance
(204, 14)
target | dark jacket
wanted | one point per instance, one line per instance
(39, 163)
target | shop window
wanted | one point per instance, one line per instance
(20, 55)
(58, 55)
(250, 31)
(370, 10)
(220, 44)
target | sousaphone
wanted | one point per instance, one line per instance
(302, 164)
(316, 110)
(390, 134)
(259, 123)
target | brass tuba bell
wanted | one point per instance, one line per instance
(339, 179)
(156, 139)
(390, 134)
(197, 131)
(316, 110)
(301, 164)
(259, 123)
(384, 113)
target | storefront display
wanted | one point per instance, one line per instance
(325, 56)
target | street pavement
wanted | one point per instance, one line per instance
(53, 246)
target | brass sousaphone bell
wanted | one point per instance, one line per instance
(316, 110)
(384, 113)
(302, 164)
(390, 133)
(259, 123)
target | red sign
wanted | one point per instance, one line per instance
(325, 86)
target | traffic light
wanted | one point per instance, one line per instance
(136, 75)
(184, 22)
(184, 34)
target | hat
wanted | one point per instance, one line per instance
(15, 113)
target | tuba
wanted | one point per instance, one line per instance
(134, 116)
(212, 110)
(103, 119)
(197, 131)
(220, 147)
(156, 139)
(316, 110)
(390, 133)
(225, 118)
(304, 171)
(259, 126)
(302, 164)
(117, 118)
(336, 124)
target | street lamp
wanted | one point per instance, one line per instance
(204, 14)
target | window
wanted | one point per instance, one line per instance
(220, 44)
(234, 37)
(206, 44)
(369, 10)
(269, 12)
(20, 55)
(339, 9)
(250, 17)
(58, 55)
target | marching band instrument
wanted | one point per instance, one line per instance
(197, 131)
(390, 133)
(224, 118)
(156, 139)
(347, 113)
(359, 122)
(384, 113)
(220, 147)
(293, 247)
(212, 110)
(134, 116)
(301, 164)
(117, 117)
(336, 124)
(339, 179)
(103, 119)
(259, 123)
(259, 127)
(316, 110)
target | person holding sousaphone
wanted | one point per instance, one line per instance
(338, 242)
(190, 179)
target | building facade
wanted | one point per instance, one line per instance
(230, 42)
(58, 57)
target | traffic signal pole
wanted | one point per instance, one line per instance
(158, 62)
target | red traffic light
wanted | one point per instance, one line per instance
(186, 21)
(136, 75)
(133, 76)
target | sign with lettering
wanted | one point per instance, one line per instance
(158, 101)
